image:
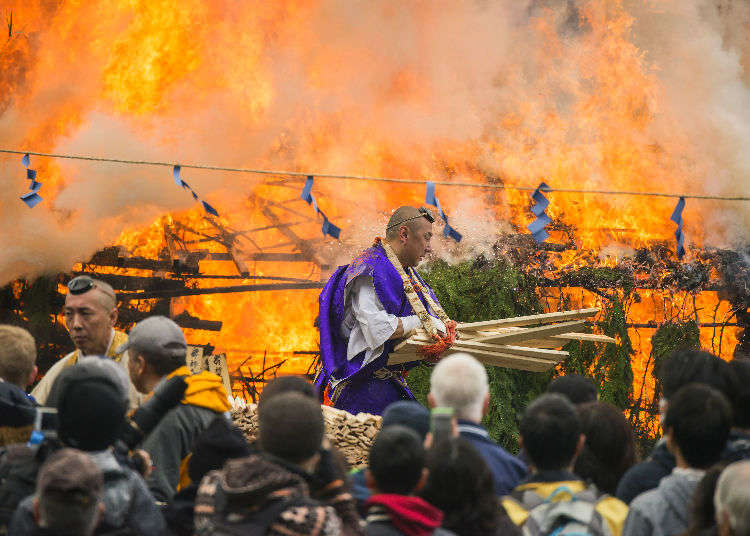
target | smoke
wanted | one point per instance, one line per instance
(633, 95)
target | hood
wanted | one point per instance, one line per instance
(204, 390)
(661, 455)
(412, 516)
(253, 481)
(16, 408)
(677, 490)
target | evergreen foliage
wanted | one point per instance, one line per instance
(482, 290)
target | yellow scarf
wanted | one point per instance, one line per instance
(204, 390)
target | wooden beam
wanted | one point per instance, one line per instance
(301, 244)
(532, 333)
(526, 351)
(218, 290)
(529, 320)
(486, 357)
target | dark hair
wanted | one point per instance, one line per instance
(609, 449)
(291, 427)
(576, 388)
(688, 365)
(702, 509)
(699, 418)
(461, 485)
(162, 364)
(550, 430)
(286, 384)
(396, 460)
(741, 403)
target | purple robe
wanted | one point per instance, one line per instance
(362, 391)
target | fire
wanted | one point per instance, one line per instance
(566, 92)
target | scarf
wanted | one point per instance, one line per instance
(412, 516)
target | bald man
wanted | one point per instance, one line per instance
(90, 315)
(364, 312)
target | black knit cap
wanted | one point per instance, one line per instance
(408, 413)
(91, 399)
(220, 442)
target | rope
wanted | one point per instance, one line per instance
(483, 185)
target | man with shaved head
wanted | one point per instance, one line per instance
(90, 314)
(367, 307)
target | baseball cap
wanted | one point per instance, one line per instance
(156, 335)
(72, 475)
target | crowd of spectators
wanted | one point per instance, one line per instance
(140, 445)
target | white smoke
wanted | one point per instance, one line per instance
(423, 89)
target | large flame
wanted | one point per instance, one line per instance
(639, 96)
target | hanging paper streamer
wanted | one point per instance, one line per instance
(31, 198)
(431, 199)
(538, 226)
(179, 182)
(328, 228)
(678, 234)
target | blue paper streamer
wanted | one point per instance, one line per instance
(431, 199)
(32, 197)
(180, 182)
(678, 234)
(328, 228)
(538, 227)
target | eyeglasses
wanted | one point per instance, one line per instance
(80, 284)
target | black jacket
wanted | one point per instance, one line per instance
(17, 412)
(646, 475)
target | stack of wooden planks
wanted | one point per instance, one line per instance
(523, 342)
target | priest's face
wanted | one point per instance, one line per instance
(417, 244)
(89, 318)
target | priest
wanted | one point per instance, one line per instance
(368, 307)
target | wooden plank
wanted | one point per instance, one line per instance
(529, 320)
(532, 333)
(471, 345)
(218, 290)
(593, 337)
(489, 357)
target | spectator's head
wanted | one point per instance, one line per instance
(17, 356)
(17, 371)
(609, 449)
(91, 398)
(578, 389)
(156, 347)
(697, 425)
(90, 314)
(741, 405)
(460, 484)
(285, 384)
(732, 500)
(68, 494)
(460, 382)
(408, 413)
(696, 366)
(409, 232)
(396, 462)
(220, 442)
(291, 428)
(551, 433)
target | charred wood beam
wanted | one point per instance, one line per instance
(262, 256)
(133, 282)
(111, 257)
(308, 251)
(127, 315)
(218, 290)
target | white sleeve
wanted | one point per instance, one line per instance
(372, 325)
(376, 324)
